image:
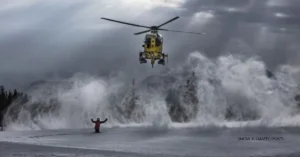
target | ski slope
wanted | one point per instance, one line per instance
(149, 141)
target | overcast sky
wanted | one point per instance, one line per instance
(54, 38)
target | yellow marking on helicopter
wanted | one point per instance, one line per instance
(153, 43)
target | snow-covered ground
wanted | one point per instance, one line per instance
(149, 141)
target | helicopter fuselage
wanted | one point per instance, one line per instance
(153, 46)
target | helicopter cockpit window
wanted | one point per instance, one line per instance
(158, 40)
(148, 40)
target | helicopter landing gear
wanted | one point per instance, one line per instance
(162, 61)
(142, 59)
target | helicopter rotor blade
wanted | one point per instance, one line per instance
(142, 32)
(168, 21)
(126, 23)
(181, 31)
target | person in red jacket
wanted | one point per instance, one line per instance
(97, 124)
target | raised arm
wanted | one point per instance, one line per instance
(103, 121)
(92, 121)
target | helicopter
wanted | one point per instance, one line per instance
(153, 43)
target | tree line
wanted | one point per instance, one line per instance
(7, 97)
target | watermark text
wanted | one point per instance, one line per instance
(260, 138)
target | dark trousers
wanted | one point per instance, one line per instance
(97, 130)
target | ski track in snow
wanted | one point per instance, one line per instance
(149, 141)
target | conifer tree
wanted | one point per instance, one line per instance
(15, 94)
(6, 99)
